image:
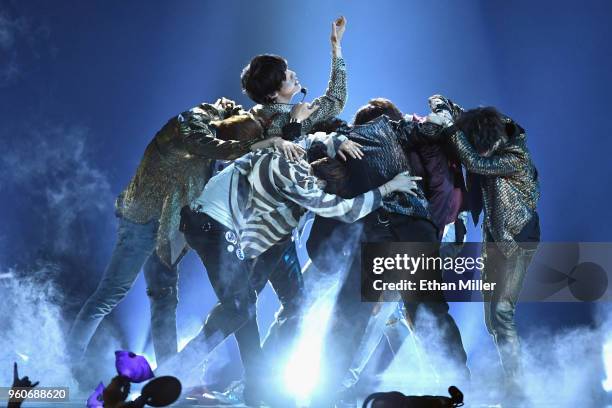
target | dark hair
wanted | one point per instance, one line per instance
(329, 125)
(316, 151)
(239, 127)
(484, 128)
(335, 175)
(377, 107)
(263, 76)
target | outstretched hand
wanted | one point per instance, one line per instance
(22, 382)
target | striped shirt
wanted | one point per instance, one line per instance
(269, 194)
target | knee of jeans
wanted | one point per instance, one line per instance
(106, 298)
(502, 316)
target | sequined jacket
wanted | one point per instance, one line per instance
(174, 169)
(331, 104)
(508, 180)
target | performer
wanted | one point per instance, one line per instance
(504, 185)
(386, 146)
(251, 206)
(269, 82)
(175, 166)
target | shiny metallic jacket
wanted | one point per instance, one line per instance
(277, 115)
(508, 180)
(174, 169)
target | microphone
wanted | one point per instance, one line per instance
(304, 91)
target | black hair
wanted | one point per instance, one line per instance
(263, 76)
(329, 125)
(334, 173)
(484, 128)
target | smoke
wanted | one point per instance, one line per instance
(302, 370)
(52, 177)
(32, 328)
(60, 206)
(563, 369)
(21, 45)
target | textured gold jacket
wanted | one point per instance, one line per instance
(174, 169)
(331, 104)
(509, 182)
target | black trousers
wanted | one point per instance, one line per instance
(351, 315)
(236, 283)
(229, 277)
(280, 266)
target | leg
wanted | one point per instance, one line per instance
(348, 324)
(135, 243)
(444, 340)
(509, 276)
(285, 276)
(371, 338)
(279, 265)
(229, 277)
(162, 290)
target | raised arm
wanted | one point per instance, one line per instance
(332, 102)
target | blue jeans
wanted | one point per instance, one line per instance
(134, 248)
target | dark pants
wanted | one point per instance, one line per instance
(508, 274)
(351, 315)
(229, 277)
(280, 266)
(135, 246)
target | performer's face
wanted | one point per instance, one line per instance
(291, 85)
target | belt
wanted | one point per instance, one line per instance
(196, 222)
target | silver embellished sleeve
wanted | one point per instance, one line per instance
(332, 102)
(504, 163)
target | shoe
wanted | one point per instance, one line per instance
(201, 396)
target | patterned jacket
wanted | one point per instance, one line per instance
(508, 180)
(175, 167)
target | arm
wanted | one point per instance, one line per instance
(199, 136)
(412, 133)
(503, 163)
(334, 143)
(332, 103)
(297, 185)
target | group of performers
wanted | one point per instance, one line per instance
(385, 177)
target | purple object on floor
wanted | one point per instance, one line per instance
(132, 366)
(95, 399)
